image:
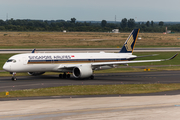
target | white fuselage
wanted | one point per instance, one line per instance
(42, 62)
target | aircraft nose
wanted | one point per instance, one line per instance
(6, 67)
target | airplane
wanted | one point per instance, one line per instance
(81, 65)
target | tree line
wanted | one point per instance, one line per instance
(124, 25)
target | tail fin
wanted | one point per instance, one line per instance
(129, 45)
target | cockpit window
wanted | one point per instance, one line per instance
(14, 61)
(11, 60)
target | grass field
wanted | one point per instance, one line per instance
(83, 40)
(93, 90)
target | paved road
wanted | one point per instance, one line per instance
(29, 82)
(68, 50)
(101, 108)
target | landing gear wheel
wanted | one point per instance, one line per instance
(14, 79)
(91, 77)
(64, 75)
(60, 75)
(13, 76)
(68, 76)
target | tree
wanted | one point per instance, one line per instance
(147, 23)
(2, 28)
(123, 23)
(103, 23)
(161, 23)
(73, 20)
(152, 23)
(131, 23)
(2, 23)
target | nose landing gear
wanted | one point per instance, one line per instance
(13, 76)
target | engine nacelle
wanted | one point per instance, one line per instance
(35, 73)
(83, 71)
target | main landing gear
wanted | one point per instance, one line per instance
(92, 77)
(13, 76)
(64, 75)
(67, 76)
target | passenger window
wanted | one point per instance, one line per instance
(11, 60)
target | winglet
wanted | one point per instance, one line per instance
(129, 45)
(34, 51)
(172, 57)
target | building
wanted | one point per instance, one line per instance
(115, 31)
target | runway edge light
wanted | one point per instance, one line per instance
(7, 93)
(147, 69)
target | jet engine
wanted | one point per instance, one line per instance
(83, 71)
(35, 73)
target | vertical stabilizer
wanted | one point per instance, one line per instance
(129, 45)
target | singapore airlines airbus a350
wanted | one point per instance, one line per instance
(81, 65)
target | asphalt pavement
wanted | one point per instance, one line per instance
(30, 82)
(163, 105)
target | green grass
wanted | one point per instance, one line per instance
(116, 70)
(5, 74)
(165, 68)
(3, 59)
(94, 90)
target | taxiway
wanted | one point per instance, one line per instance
(30, 82)
(164, 105)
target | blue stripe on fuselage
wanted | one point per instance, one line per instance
(76, 60)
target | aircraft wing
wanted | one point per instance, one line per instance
(126, 62)
(71, 66)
